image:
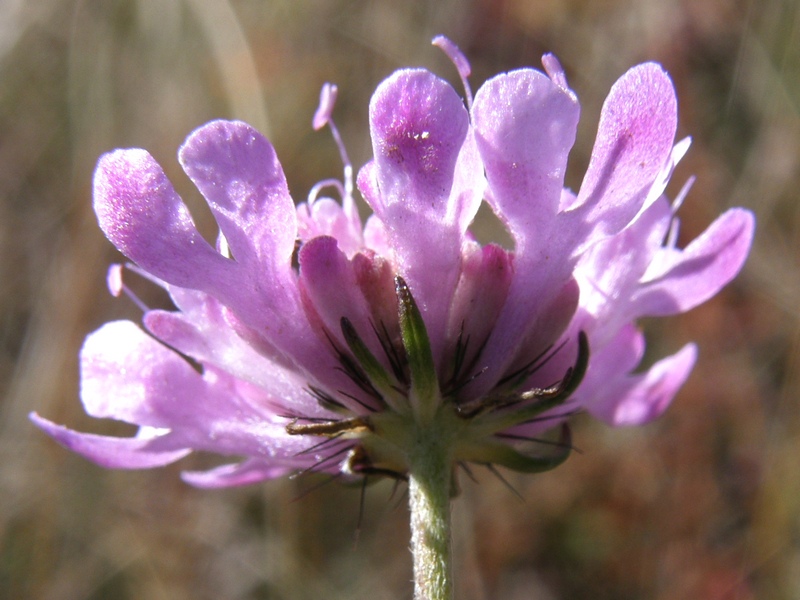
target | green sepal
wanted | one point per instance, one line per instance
(425, 385)
(539, 400)
(378, 376)
(499, 453)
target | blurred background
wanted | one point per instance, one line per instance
(704, 503)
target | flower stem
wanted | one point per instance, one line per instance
(430, 478)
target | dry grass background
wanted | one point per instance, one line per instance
(703, 504)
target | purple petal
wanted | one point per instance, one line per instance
(329, 284)
(112, 452)
(236, 169)
(244, 473)
(641, 398)
(610, 272)
(418, 125)
(142, 215)
(681, 280)
(634, 143)
(128, 376)
(210, 339)
(486, 275)
(425, 185)
(325, 216)
(525, 126)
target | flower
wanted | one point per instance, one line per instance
(319, 344)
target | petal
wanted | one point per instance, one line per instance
(525, 126)
(680, 280)
(143, 216)
(209, 339)
(609, 273)
(244, 473)
(641, 398)
(325, 216)
(113, 452)
(329, 284)
(418, 126)
(485, 277)
(376, 238)
(425, 185)
(238, 172)
(634, 144)
(128, 376)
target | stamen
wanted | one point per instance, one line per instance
(313, 194)
(324, 116)
(117, 286)
(676, 204)
(555, 71)
(327, 100)
(459, 61)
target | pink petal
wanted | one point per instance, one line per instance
(142, 215)
(236, 169)
(425, 185)
(211, 340)
(244, 473)
(128, 376)
(329, 284)
(642, 398)
(681, 280)
(325, 216)
(610, 272)
(485, 277)
(634, 143)
(113, 452)
(525, 126)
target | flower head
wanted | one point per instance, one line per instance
(324, 345)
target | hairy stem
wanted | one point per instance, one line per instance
(429, 496)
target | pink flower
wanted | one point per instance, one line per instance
(321, 342)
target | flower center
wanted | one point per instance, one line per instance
(411, 398)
